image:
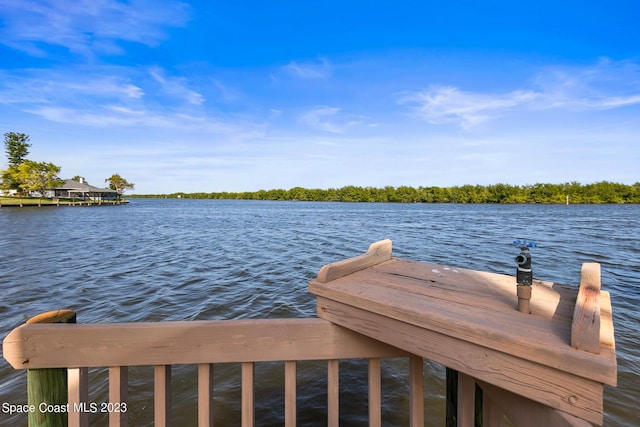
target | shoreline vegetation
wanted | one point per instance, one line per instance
(568, 193)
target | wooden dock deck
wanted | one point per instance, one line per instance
(544, 368)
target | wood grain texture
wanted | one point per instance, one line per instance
(162, 395)
(118, 393)
(573, 394)
(290, 393)
(466, 400)
(189, 342)
(375, 393)
(378, 252)
(205, 395)
(477, 307)
(585, 328)
(248, 409)
(527, 413)
(333, 393)
(416, 391)
(78, 395)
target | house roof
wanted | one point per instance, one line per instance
(82, 187)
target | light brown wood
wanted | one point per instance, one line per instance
(290, 381)
(205, 395)
(378, 252)
(375, 393)
(118, 394)
(492, 415)
(416, 391)
(189, 342)
(466, 400)
(524, 412)
(162, 396)
(78, 397)
(585, 328)
(333, 393)
(607, 338)
(475, 307)
(576, 395)
(247, 394)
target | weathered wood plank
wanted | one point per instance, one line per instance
(78, 397)
(247, 395)
(375, 393)
(189, 342)
(333, 393)
(290, 392)
(466, 400)
(585, 328)
(488, 290)
(378, 252)
(416, 391)
(118, 394)
(162, 395)
(205, 395)
(524, 412)
(465, 317)
(492, 414)
(606, 321)
(576, 395)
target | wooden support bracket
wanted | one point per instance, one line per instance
(585, 327)
(378, 252)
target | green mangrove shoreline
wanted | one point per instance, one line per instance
(603, 192)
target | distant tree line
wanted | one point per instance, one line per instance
(573, 192)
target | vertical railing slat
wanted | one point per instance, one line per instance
(290, 393)
(118, 395)
(375, 393)
(78, 397)
(162, 395)
(416, 391)
(333, 393)
(247, 394)
(466, 400)
(205, 395)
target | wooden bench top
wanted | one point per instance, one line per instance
(423, 308)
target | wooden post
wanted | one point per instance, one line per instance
(453, 399)
(47, 388)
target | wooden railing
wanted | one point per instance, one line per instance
(203, 343)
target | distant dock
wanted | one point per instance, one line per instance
(17, 202)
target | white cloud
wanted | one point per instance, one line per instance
(176, 86)
(308, 70)
(86, 26)
(606, 85)
(319, 118)
(109, 116)
(52, 86)
(333, 120)
(445, 104)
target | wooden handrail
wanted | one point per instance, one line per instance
(80, 346)
(188, 342)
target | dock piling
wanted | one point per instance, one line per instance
(47, 388)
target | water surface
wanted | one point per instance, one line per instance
(157, 259)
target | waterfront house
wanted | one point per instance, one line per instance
(72, 189)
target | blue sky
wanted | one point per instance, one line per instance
(247, 95)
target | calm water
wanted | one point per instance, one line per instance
(200, 259)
